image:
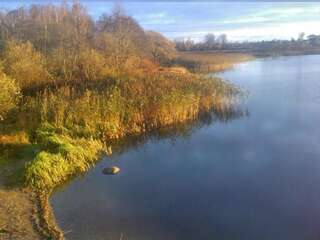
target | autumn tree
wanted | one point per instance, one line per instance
(162, 50)
(121, 38)
(210, 40)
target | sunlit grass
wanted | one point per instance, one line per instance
(59, 158)
(206, 62)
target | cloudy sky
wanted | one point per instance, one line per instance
(193, 19)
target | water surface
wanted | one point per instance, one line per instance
(253, 177)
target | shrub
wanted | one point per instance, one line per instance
(9, 94)
(87, 65)
(23, 63)
(92, 65)
(163, 50)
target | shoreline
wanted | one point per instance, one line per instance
(38, 215)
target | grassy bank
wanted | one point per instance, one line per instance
(207, 62)
(59, 157)
(73, 127)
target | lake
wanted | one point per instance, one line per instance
(255, 176)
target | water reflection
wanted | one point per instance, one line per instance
(183, 130)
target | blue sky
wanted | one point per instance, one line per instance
(190, 19)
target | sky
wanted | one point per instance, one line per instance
(241, 21)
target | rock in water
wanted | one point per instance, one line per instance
(111, 170)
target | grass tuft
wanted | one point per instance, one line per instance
(60, 157)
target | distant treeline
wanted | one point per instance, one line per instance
(211, 42)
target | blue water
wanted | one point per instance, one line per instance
(253, 177)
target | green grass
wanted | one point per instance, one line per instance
(59, 158)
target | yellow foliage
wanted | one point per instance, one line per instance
(23, 63)
(92, 65)
(9, 94)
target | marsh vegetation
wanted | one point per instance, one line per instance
(209, 62)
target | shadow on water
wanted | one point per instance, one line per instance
(181, 130)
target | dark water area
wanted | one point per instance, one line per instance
(253, 177)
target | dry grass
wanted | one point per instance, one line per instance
(205, 62)
(16, 138)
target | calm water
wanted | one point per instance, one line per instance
(254, 177)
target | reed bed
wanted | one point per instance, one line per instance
(74, 126)
(207, 62)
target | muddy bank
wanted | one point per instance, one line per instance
(24, 215)
(17, 214)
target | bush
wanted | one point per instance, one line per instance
(9, 94)
(86, 65)
(92, 65)
(163, 50)
(23, 63)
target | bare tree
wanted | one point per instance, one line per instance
(301, 36)
(210, 40)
